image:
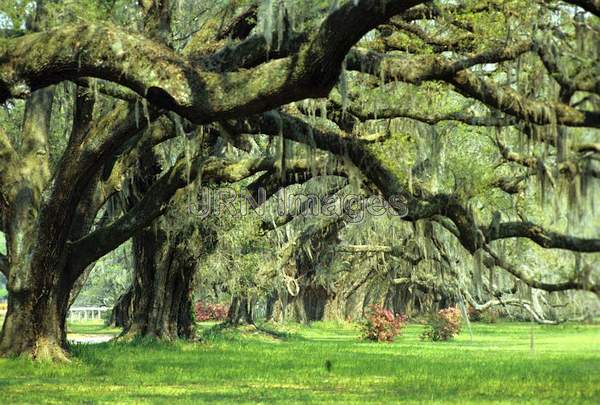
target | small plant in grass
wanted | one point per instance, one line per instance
(382, 325)
(443, 326)
(210, 312)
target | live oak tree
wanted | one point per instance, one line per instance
(574, 176)
(61, 244)
(499, 64)
(166, 254)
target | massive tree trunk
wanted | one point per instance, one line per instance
(38, 282)
(164, 268)
(315, 299)
(161, 305)
(165, 253)
(309, 305)
(35, 322)
(241, 311)
(312, 298)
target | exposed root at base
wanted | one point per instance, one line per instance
(50, 351)
(44, 350)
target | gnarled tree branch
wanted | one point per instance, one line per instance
(172, 82)
(426, 67)
(543, 237)
(513, 103)
(518, 302)
(573, 284)
(154, 203)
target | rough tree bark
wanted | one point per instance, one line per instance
(161, 295)
(311, 301)
(165, 259)
(241, 311)
(37, 303)
(120, 314)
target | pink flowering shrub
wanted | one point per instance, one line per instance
(443, 326)
(210, 312)
(382, 325)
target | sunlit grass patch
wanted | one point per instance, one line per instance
(91, 328)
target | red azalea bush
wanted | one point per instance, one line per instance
(382, 325)
(444, 326)
(210, 312)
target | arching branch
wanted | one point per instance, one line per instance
(430, 67)
(543, 237)
(172, 82)
(569, 85)
(241, 25)
(155, 201)
(573, 284)
(518, 302)
(307, 207)
(395, 251)
(511, 102)
(569, 167)
(511, 184)
(108, 89)
(463, 42)
(428, 117)
(297, 171)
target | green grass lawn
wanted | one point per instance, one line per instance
(90, 328)
(495, 364)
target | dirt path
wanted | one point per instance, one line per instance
(89, 339)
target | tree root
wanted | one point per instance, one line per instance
(43, 350)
